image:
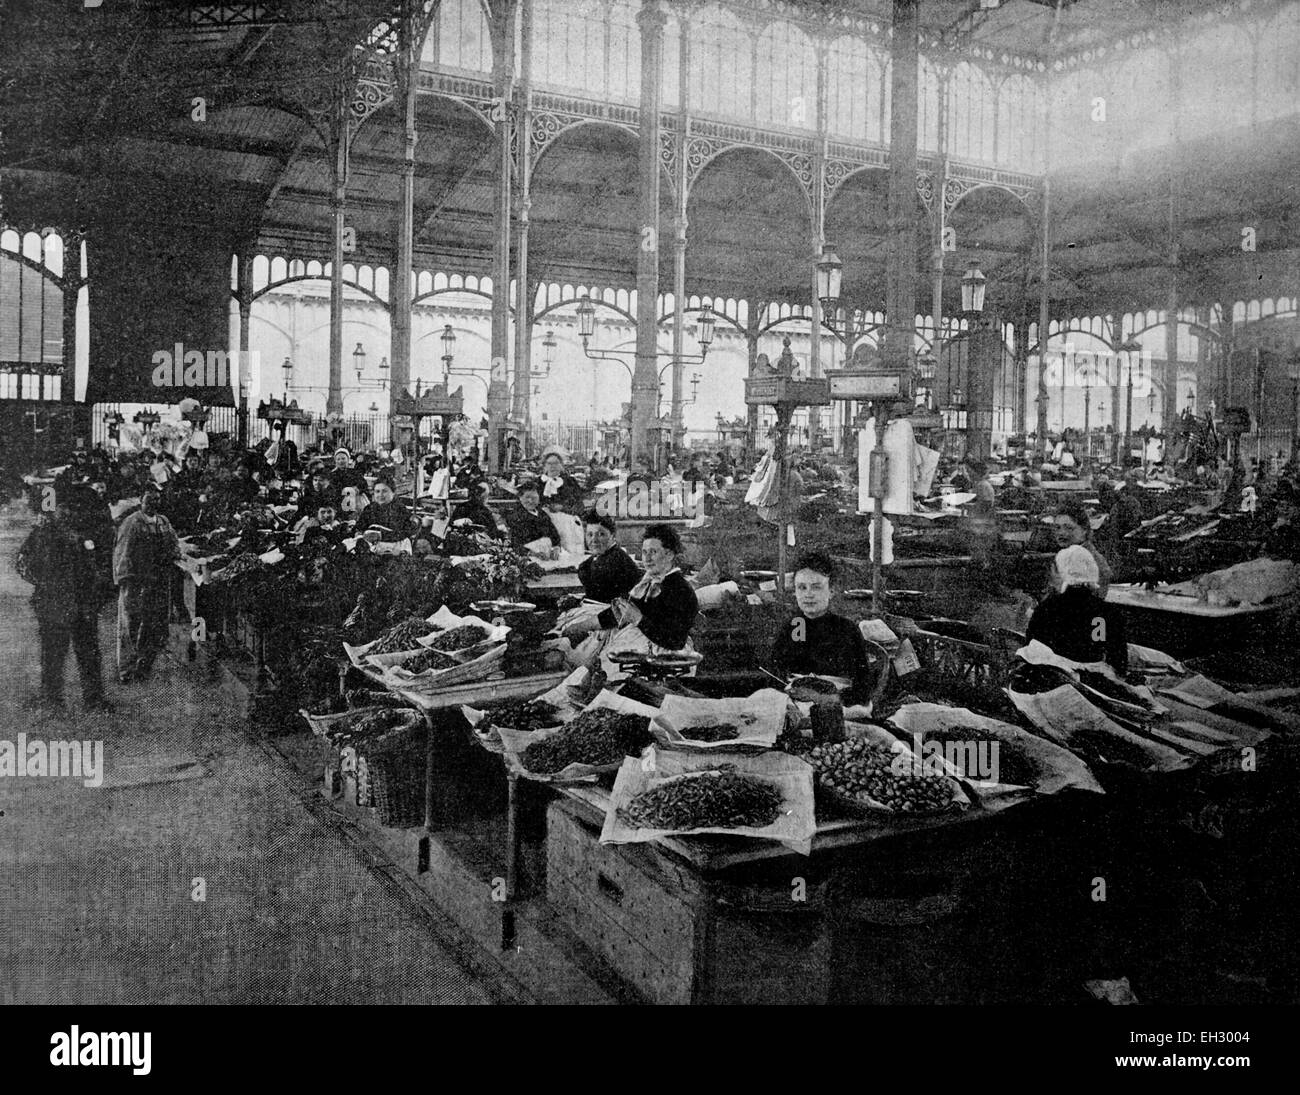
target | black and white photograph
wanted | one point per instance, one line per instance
(650, 502)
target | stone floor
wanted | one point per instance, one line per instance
(98, 886)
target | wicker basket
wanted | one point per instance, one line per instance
(392, 769)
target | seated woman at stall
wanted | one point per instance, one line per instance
(528, 524)
(477, 512)
(607, 574)
(817, 641)
(385, 513)
(560, 491)
(324, 527)
(658, 613)
(1074, 529)
(1075, 622)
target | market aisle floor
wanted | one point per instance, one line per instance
(97, 885)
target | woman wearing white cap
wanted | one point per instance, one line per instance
(1075, 622)
(560, 491)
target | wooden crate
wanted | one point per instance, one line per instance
(676, 936)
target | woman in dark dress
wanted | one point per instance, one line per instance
(817, 641)
(1075, 622)
(658, 613)
(477, 511)
(608, 571)
(607, 574)
(527, 523)
(560, 491)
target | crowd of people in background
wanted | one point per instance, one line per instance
(112, 524)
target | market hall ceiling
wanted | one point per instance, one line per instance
(96, 112)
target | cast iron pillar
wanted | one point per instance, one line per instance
(499, 389)
(900, 258)
(645, 380)
(399, 301)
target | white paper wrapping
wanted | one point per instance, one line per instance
(1059, 768)
(1063, 712)
(759, 718)
(792, 775)
(516, 741)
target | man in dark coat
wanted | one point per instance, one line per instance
(68, 568)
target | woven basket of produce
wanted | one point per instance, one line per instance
(394, 765)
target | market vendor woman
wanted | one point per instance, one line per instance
(818, 641)
(528, 524)
(1076, 622)
(657, 615)
(607, 574)
(608, 571)
(1074, 528)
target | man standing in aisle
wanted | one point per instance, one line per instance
(142, 569)
(63, 562)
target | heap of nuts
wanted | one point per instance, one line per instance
(529, 715)
(711, 732)
(717, 798)
(428, 659)
(458, 638)
(596, 737)
(865, 773)
(401, 636)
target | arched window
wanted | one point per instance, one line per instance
(569, 44)
(850, 94)
(460, 39)
(1279, 64)
(927, 107)
(1216, 76)
(970, 113)
(624, 54)
(722, 73)
(1019, 123)
(786, 78)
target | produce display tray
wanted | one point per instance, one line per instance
(478, 693)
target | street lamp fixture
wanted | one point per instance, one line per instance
(587, 328)
(288, 372)
(1129, 346)
(830, 274)
(972, 290)
(848, 325)
(548, 348)
(359, 361)
(448, 351)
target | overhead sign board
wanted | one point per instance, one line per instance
(771, 390)
(865, 385)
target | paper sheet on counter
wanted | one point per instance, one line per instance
(794, 776)
(1064, 712)
(759, 717)
(1059, 768)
